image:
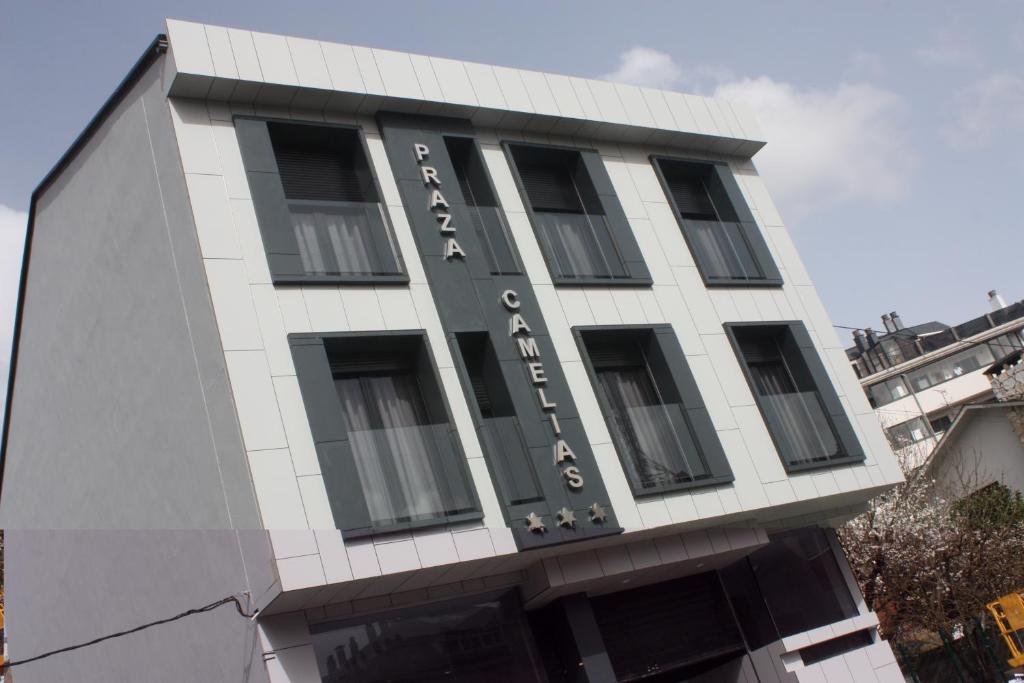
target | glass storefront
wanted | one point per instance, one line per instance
(668, 631)
(485, 639)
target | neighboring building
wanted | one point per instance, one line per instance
(918, 378)
(451, 371)
(985, 443)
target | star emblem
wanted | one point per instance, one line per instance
(597, 514)
(566, 518)
(535, 524)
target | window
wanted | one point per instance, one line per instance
(1005, 344)
(579, 222)
(501, 433)
(719, 229)
(483, 208)
(660, 427)
(317, 203)
(805, 418)
(485, 638)
(801, 562)
(908, 433)
(886, 392)
(951, 367)
(387, 448)
(941, 424)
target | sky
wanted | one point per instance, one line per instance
(894, 150)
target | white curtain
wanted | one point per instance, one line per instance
(335, 242)
(393, 447)
(723, 251)
(656, 452)
(801, 418)
(570, 238)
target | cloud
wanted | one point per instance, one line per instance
(950, 48)
(645, 66)
(828, 146)
(986, 106)
(12, 233)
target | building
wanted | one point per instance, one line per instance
(985, 443)
(918, 378)
(450, 371)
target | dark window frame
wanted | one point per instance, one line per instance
(753, 235)
(271, 206)
(334, 452)
(619, 230)
(500, 210)
(701, 427)
(835, 412)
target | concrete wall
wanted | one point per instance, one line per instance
(985, 450)
(125, 471)
(68, 587)
(122, 415)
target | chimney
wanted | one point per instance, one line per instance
(870, 334)
(887, 322)
(995, 300)
(896, 322)
(860, 341)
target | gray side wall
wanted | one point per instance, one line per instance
(122, 415)
(68, 587)
(125, 468)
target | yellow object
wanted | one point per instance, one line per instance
(1009, 615)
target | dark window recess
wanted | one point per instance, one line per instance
(571, 222)
(801, 562)
(500, 431)
(557, 644)
(399, 439)
(317, 203)
(835, 647)
(643, 410)
(483, 639)
(667, 628)
(335, 210)
(803, 413)
(726, 243)
(941, 424)
(383, 432)
(484, 212)
(748, 604)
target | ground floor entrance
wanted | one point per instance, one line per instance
(719, 625)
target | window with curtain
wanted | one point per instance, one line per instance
(788, 394)
(647, 422)
(336, 216)
(399, 439)
(727, 246)
(571, 223)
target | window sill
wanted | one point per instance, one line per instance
(766, 282)
(834, 462)
(683, 486)
(352, 534)
(602, 282)
(397, 279)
